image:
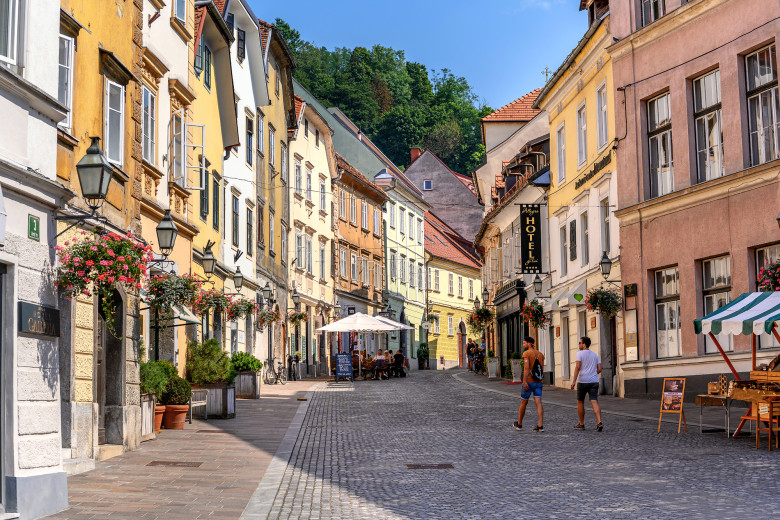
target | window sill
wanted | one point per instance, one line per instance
(64, 137)
(298, 196)
(309, 204)
(323, 214)
(181, 29)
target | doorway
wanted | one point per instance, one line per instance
(109, 361)
(608, 354)
(462, 336)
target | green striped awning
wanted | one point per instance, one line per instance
(751, 313)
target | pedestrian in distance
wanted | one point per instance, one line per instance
(588, 368)
(470, 352)
(533, 375)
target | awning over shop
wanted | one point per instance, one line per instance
(751, 313)
(574, 296)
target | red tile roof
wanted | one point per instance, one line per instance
(299, 102)
(520, 109)
(265, 31)
(343, 164)
(221, 6)
(444, 242)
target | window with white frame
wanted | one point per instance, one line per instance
(343, 263)
(364, 215)
(114, 114)
(709, 135)
(667, 312)
(601, 115)
(471, 289)
(323, 261)
(65, 80)
(450, 284)
(305, 128)
(283, 238)
(353, 268)
(271, 237)
(391, 211)
(652, 10)
(298, 180)
(377, 223)
(427, 185)
(582, 135)
(436, 325)
(411, 226)
(353, 209)
(234, 231)
(716, 291)
(392, 266)
(659, 137)
(9, 30)
(564, 256)
(283, 152)
(180, 10)
(429, 275)
(298, 249)
(420, 279)
(419, 231)
(308, 184)
(323, 205)
(309, 255)
(402, 220)
(436, 280)
(460, 287)
(249, 140)
(450, 325)
(377, 274)
(148, 124)
(342, 204)
(412, 275)
(585, 238)
(364, 270)
(177, 149)
(402, 269)
(604, 207)
(271, 145)
(260, 136)
(560, 141)
(763, 109)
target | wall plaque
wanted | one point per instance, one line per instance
(39, 320)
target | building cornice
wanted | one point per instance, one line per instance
(37, 98)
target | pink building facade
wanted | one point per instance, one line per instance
(699, 190)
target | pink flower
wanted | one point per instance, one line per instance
(110, 279)
(120, 259)
(138, 285)
(92, 248)
(90, 263)
(110, 252)
(81, 273)
(125, 267)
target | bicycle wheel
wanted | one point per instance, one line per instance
(283, 378)
(270, 377)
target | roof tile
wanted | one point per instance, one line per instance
(520, 109)
(444, 242)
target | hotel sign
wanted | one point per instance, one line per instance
(600, 165)
(39, 320)
(531, 238)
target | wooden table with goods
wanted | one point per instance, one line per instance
(717, 396)
(762, 391)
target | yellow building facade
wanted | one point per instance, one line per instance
(579, 99)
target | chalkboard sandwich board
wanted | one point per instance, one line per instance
(344, 366)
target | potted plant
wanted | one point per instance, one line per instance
(267, 317)
(478, 320)
(605, 301)
(169, 290)
(96, 263)
(241, 308)
(155, 376)
(211, 298)
(769, 277)
(493, 366)
(209, 367)
(533, 313)
(296, 318)
(176, 398)
(515, 368)
(422, 355)
(247, 368)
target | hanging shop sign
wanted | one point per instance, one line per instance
(594, 171)
(531, 238)
(39, 320)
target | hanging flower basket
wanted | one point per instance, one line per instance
(769, 277)
(166, 291)
(296, 318)
(431, 317)
(241, 308)
(606, 302)
(479, 320)
(97, 263)
(265, 318)
(211, 298)
(533, 313)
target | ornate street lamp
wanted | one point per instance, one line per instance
(476, 302)
(95, 173)
(209, 262)
(267, 291)
(238, 279)
(296, 298)
(166, 234)
(485, 296)
(605, 264)
(538, 285)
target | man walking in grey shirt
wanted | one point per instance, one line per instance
(588, 368)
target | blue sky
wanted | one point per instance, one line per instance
(499, 46)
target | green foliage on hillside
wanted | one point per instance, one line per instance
(396, 103)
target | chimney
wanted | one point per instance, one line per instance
(416, 152)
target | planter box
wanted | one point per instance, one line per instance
(248, 384)
(494, 368)
(147, 417)
(221, 400)
(517, 370)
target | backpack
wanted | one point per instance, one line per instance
(537, 371)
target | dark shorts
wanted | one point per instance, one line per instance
(592, 389)
(533, 388)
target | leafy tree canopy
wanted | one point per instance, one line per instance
(398, 104)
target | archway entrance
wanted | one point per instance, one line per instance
(462, 337)
(109, 372)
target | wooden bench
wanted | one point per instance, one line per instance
(198, 398)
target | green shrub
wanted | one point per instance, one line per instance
(245, 361)
(178, 391)
(422, 351)
(155, 376)
(207, 363)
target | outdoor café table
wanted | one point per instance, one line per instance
(714, 400)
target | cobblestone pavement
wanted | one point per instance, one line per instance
(350, 461)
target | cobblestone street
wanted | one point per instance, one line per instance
(351, 460)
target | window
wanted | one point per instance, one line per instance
(420, 277)
(716, 290)
(180, 10)
(113, 136)
(250, 139)
(430, 273)
(364, 271)
(667, 312)
(353, 268)
(364, 215)
(272, 237)
(402, 269)
(234, 221)
(402, 220)
(419, 231)
(323, 205)
(305, 128)
(309, 255)
(316, 138)
(65, 81)
(391, 210)
(659, 135)
(582, 136)
(560, 139)
(343, 263)
(298, 178)
(436, 325)
(278, 75)
(283, 151)
(450, 325)
(343, 204)
(377, 275)
(471, 289)
(460, 287)
(427, 185)
(271, 146)
(299, 258)
(353, 209)
(605, 225)
(308, 184)
(9, 25)
(585, 238)
(709, 136)
(763, 109)
(392, 266)
(147, 125)
(450, 284)
(260, 227)
(206, 66)
(205, 182)
(241, 44)
(436, 280)
(198, 64)
(412, 275)
(573, 240)
(601, 115)
(283, 238)
(564, 245)
(377, 223)
(652, 10)
(230, 20)
(260, 129)
(215, 203)
(250, 219)
(411, 226)
(323, 261)
(177, 149)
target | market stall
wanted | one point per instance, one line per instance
(751, 313)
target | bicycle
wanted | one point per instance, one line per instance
(479, 366)
(272, 376)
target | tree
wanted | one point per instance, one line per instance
(444, 140)
(382, 94)
(399, 130)
(291, 37)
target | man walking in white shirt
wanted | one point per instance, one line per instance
(588, 368)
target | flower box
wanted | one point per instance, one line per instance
(248, 384)
(221, 400)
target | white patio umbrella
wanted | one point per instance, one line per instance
(358, 322)
(397, 324)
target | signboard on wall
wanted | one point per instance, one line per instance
(531, 238)
(39, 320)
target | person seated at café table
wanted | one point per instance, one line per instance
(380, 359)
(389, 358)
(355, 363)
(398, 364)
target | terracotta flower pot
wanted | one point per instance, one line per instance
(159, 410)
(175, 415)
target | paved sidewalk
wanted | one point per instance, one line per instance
(225, 460)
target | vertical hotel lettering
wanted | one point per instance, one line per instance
(531, 238)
